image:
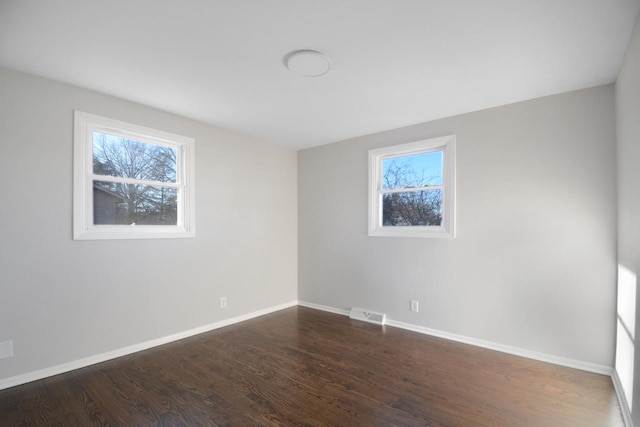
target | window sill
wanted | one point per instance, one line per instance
(420, 232)
(137, 232)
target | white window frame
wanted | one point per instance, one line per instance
(445, 144)
(85, 125)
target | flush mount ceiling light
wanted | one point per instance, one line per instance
(308, 63)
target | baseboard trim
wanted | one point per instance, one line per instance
(324, 308)
(622, 401)
(543, 357)
(515, 351)
(103, 357)
(124, 351)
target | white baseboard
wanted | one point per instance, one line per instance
(324, 308)
(92, 360)
(624, 408)
(543, 357)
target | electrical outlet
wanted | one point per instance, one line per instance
(223, 302)
(415, 305)
(6, 349)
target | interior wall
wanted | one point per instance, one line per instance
(533, 264)
(628, 148)
(62, 300)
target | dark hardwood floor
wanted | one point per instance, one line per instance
(305, 367)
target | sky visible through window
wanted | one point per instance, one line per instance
(140, 202)
(417, 206)
(116, 156)
(417, 170)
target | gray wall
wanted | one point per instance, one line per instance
(533, 265)
(62, 300)
(628, 135)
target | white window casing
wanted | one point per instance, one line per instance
(85, 125)
(446, 229)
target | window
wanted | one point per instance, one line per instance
(626, 331)
(411, 189)
(131, 182)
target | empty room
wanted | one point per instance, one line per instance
(319, 213)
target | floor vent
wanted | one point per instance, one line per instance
(367, 316)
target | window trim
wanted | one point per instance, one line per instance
(83, 227)
(446, 144)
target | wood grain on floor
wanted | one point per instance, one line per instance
(310, 368)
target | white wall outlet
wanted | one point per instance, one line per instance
(6, 349)
(223, 302)
(415, 305)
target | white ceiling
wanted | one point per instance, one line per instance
(394, 62)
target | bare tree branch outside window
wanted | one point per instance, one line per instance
(141, 204)
(418, 204)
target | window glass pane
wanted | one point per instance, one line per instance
(417, 170)
(412, 208)
(117, 156)
(627, 299)
(625, 350)
(134, 204)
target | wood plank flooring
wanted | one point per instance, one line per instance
(302, 367)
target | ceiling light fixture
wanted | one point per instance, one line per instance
(308, 63)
